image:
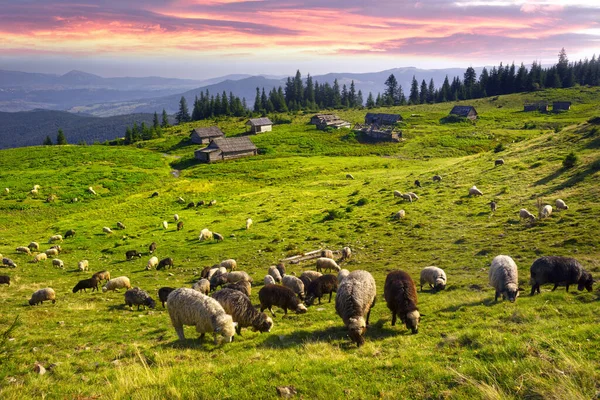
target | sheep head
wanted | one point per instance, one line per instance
(356, 329)
(412, 321)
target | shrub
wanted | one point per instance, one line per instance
(333, 214)
(362, 202)
(499, 147)
(570, 160)
(452, 119)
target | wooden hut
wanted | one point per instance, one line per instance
(318, 118)
(333, 123)
(464, 111)
(205, 135)
(378, 133)
(561, 106)
(226, 148)
(541, 107)
(259, 125)
(382, 119)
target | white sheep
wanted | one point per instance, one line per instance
(34, 246)
(413, 196)
(40, 257)
(346, 253)
(229, 264)
(216, 271)
(176, 217)
(107, 230)
(58, 263)
(189, 307)
(546, 211)
(205, 234)
(42, 295)
(165, 225)
(473, 191)
(120, 225)
(202, 286)
(353, 302)
(83, 265)
(117, 283)
(324, 263)
(434, 276)
(342, 275)
(36, 187)
(55, 238)
(400, 214)
(7, 190)
(248, 223)
(52, 252)
(310, 275)
(23, 249)
(404, 196)
(523, 214)
(269, 280)
(295, 284)
(236, 276)
(34, 192)
(92, 191)
(274, 272)
(504, 277)
(561, 205)
(212, 203)
(152, 263)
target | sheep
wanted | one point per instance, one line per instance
(152, 247)
(324, 263)
(5, 279)
(400, 294)
(69, 233)
(180, 200)
(413, 196)
(154, 194)
(152, 263)
(248, 223)
(6, 190)
(83, 265)
(107, 230)
(327, 253)
(504, 278)
(269, 280)
(23, 249)
(404, 196)
(343, 274)
(34, 246)
(281, 268)
(280, 296)
(217, 236)
(202, 286)
(274, 272)
(165, 225)
(205, 234)
(91, 283)
(40, 257)
(493, 206)
(295, 284)
(399, 215)
(435, 277)
(57, 247)
(241, 310)
(545, 211)
(36, 187)
(42, 295)
(349, 176)
(561, 205)
(179, 226)
(55, 238)
(176, 217)
(473, 191)
(205, 271)
(138, 297)
(310, 275)
(559, 270)
(212, 203)
(320, 287)
(218, 279)
(418, 183)
(190, 205)
(230, 264)
(437, 178)
(216, 271)
(200, 203)
(236, 276)
(102, 275)
(523, 213)
(120, 225)
(8, 262)
(346, 253)
(241, 286)
(92, 191)
(189, 307)
(116, 283)
(498, 162)
(164, 263)
(129, 254)
(353, 302)
(34, 192)
(163, 294)
(58, 263)
(51, 252)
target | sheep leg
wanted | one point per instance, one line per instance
(238, 330)
(368, 315)
(202, 335)
(497, 294)
(393, 319)
(567, 286)
(179, 331)
(555, 286)
(215, 338)
(533, 287)
(270, 309)
(330, 295)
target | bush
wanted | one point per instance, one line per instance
(452, 119)
(570, 160)
(500, 147)
(333, 214)
(362, 202)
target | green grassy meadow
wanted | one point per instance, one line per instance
(297, 194)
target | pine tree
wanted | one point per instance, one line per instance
(155, 123)
(337, 97)
(345, 97)
(165, 119)
(183, 115)
(47, 141)
(431, 91)
(60, 138)
(390, 95)
(352, 99)
(562, 67)
(359, 99)
(263, 101)
(370, 101)
(257, 101)
(423, 92)
(414, 91)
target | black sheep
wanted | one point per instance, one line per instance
(138, 297)
(559, 270)
(164, 263)
(400, 294)
(200, 203)
(418, 183)
(191, 205)
(5, 279)
(91, 283)
(163, 293)
(280, 296)
(132, 253)
(320, 287)
(155, 194)
(180, 225)
(152, 248)
(69, 233)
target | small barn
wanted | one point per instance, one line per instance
(333, 123)
(226, 149)
(318, 118)
(259, 125)
(382, 119)
(561, 106)
(205, 135)
(541, 107)
(464, 111)
(378, 133)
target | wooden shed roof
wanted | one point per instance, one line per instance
(386, 119)
(259, 121)
(230, 145)
(208, 132)
(462, 111)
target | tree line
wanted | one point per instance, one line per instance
(137, 132)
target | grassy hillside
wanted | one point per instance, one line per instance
(297, 194)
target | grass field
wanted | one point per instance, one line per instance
(94, 347)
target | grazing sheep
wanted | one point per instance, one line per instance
(138, 297)
(546, 211)
(205, 234)
(40, 257)
(164, 263)
(58, 263)
(353, 302)
(324, 263)
(163, 294)
(8, 262)
(498, 162)
(83, 265)
(129, 254)
(55, 238)
(189, 307)
(281, 268)
(326, 284)
(523, 214)
(327, 253)
(34, 192)
(200, 203)
(23, 249)
(504, 277)
(165, 225)
(280, 296)
(561, 205)
(212, 203)
(176, 217)
(152, 263)
(107, 230)
(473, 191)
(236, 276)
(180, 200)
(404, 196)
(437, 178)
(346, 253)
(413, 196)
(217, 236)
(190, 205)
(493, 206)
(241, 310)
(418, 183)
(42, 295)
(152, 247)
(69, 233)
(349, 176)
(400, 294)
(310, 275)
(216, 270)
(559, 270)
(179, 226)
(36, 187)
(269, 280)
(5, 279)
(229, 264)
(241, 286)
(91, 283)
(218, 279)
(202, 286)
(295, 284)
(154, 194)
(435, 277)
(92, 191)
(399, 215)
(120, 225)
(6, 190)
(34, 246)
(248, 223)
(51, 252)
(342, 275)
(102, 276)
(57, 247)
(116, 283)
(204, 272)
(274, 272)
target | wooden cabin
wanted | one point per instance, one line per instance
(259, 125)
(561, 106)
(205, 135)
(382, 119)
(333, 123)
(464, 111)
(317, 118)
(541, 107)
(378, 133)
(221, 149)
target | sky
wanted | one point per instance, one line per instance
(201, 39)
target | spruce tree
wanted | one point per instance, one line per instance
(370, 101)
(60, 138)
(414, 91)
(257, 103)
(359, 99)
(155, 123)
(423, 92)
(390, 95)
(47, 141)
(183, 115)
(165, 119)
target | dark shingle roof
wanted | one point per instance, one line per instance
(382, 118)
(259, 121)
(210, 132)
(462, 111)
(230, 145)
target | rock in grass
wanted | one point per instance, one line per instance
(286, 391)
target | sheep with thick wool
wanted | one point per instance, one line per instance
(205, 234)
(107, 230)
(91, 283)
(121, 282)
(42, 295)
(346, 253)
(353, 302)
(58, 263)
(34, 246)
(343, 274)
(8, 262)
(23, 249)
(327, 253)
(138, 297)
(163, 294)
(152, 263)
(326, 284)
(55, 238)
(248, 223)
(4, 280)
(295, 284)
(504, 278)
(52, 252)
(280, 296)
(40, 257)
(324, 264)
(229, 264)
(400, 294)
(102, 275)
(189, 307)
(559, 271)
(545, 211)
(561, 205)
(524, 214)
(216, 271)
(241, 286)
(274, 272)
(239, 306)
(404, 196)
(83, 265)
(433, 276)
(473, 191)
(202, 286)
(236, 276)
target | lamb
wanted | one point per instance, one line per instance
(91, 283)
(179, 226)
(107, 230)
(473, 191)
(347, 253)
(399, 215)
(404, 196)
(559, 270)
(281, 268)
(320, 287)
(504, 277)
(274, 272)
(217, 236)
(40, 257)
(241, 286)
(202, 286)
(52, 252)
(498, 162)
(545, 211)
(230, 264)
(241, 310)
(324, 263)
(138, 297)
(189, 307)
(437, 178)
(327, 253)
(164, 263)
(116, 283)
(400, 294)
(295, 284)
(523, 213)
(152, 247)
(493, 206)
(435, 277)
(176, 217)
(92, 191)
(353, 302)
(55, 238)
(343, 274)
(163, 294)
(8, 262)
(5, 279)
(280, 296)
(23, 249)
(102, 276)
(248, 223)
(236, 276)
(561, 205)
(152, 263)
(205, 234)
(42, 295)
(129, 254)
(58, 263)
(69, 233)
(165, 225)
(120, 225)
(83, 265)
(34, 246)
(269, 280)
